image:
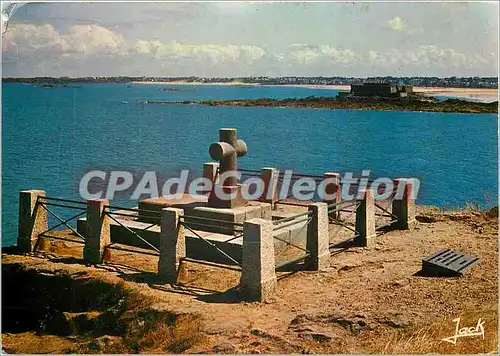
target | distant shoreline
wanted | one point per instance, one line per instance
(183, 82)
(479, 94)
(485, 95)
(311, 86)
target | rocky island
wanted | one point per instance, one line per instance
(355, 103)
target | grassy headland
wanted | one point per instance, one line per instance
(353, 103)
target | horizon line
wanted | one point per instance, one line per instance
(251, 76)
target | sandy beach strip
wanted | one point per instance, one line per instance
(481, 91)
(476, 94)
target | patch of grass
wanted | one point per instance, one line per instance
(158, 332)
(478, 206)
(428, 339)
(485, 209)
(135, 300)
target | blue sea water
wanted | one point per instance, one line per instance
(52, 136)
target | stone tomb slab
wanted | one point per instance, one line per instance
(187, 203)
(234, 215)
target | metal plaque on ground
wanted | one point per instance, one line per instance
(448, 263)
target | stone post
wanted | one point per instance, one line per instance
(318, 238)
(365, 220)
(258, 278)
(172, 244)
(98, 235)
(404, 206)
(269, 177)
(333, 190)
(210, 171)
(32, 219)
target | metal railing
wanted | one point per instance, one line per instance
(333, 210)
(293, 178)
(134, 213)
(280, 224)
(280, 180)
(229, 228)
(47, 203)
(232, 227)
(249, 172)
(381, 223)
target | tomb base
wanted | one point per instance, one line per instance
(219, 201)
(236, 215)
(187, 202)
(199, 207)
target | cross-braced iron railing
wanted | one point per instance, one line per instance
(197, 224)
(50, 204)
(383, 214)
(280, 224)
(132, 214)
(346, 223)
(292, 179)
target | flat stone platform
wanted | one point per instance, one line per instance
(197, 206)
(187, 203)
(232, 215)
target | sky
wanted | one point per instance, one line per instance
(233, 39)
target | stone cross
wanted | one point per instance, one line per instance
(226, 151)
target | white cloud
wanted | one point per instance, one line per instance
(311, 54)
(372, 56)
(93, 40)
(82, 40)
(396, 23)
(428, 56)
(199, 52)
(44, 45)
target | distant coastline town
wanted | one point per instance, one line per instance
(450, 82)
(458, 95)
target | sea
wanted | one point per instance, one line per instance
(52, 136)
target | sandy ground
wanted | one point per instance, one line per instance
(367, 301)
(456, 90)
(488, 95)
